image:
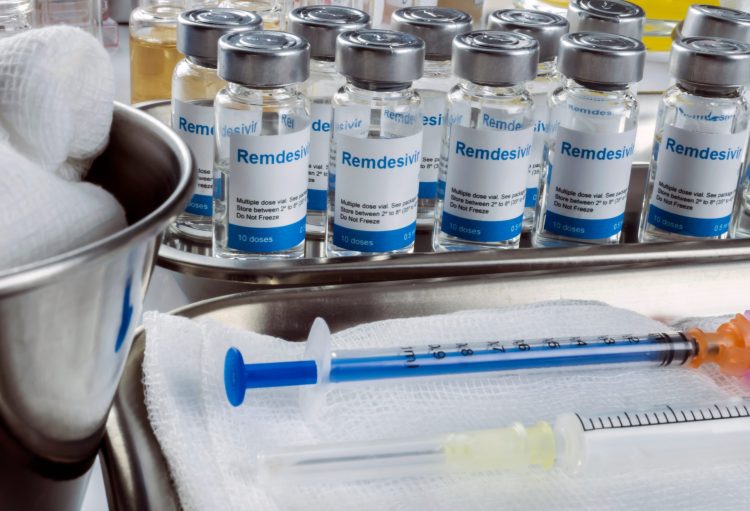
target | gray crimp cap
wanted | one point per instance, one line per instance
(547, 28)
(321, 25)
(710, 61)
(599, 58)
(610, 16)
(713, 21)
(494, 58)
(264, 59)
(436, 26)
(386, 57)
(199, 30)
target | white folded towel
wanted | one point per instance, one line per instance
(45, 215)
(211, 447)
(56, 94)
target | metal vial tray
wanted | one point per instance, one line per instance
(191, 257)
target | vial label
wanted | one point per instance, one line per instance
(195, 126)
(459, 114)
(588, 178)
(433, 115)
(321, 116)
(486, 186)
(377, 182)
(541, 120)
(695, 182)
(267, 188)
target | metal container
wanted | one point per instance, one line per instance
(66, 322)
(713, 282)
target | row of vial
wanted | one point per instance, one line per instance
(521, 125)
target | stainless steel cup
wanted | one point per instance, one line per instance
(66, 323)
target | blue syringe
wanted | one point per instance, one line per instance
(729, 347)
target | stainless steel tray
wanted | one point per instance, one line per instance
(191, 257)
(135, 471)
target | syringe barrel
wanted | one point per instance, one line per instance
(456, 358)
(659, 438)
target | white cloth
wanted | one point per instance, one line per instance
(211, 447)
(56, 94)
(45, 215)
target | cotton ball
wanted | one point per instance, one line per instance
(49, 215)
(33, 111)
(57, 88)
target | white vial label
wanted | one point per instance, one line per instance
(541, 121)
(195, 126)
(267, 191)
(695, 183)
(588, 180)
(486, 187)
(433, 116)
(320, 139)
(377, 181)
(459, 114)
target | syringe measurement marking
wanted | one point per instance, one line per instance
(465, 349)
(725, 413)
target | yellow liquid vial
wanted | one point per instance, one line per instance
(153, 51)
(662, 16)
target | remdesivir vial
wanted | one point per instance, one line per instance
(547, 29)
(700, 142)
(262, 146)
(376, 147)
(194, 87)
(320, 25)
(489, 140)
(436, 26)
(591, 141)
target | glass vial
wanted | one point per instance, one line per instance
(608, 16)
(272, 11)
(715, 21)
(15, 16)
(153, 49)
(547, 29)
(591, 141)
(488, 142)
(382, 10)
(262, 146)
(436, 26)
(376, 146)
(700, 141)
(194, 87)
(320, 25)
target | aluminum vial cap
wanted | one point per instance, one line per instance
(713, 21)
(545, 27)
(264, 59)
(710, 61)
(321, 25)
(494, 58)
(377, 59)
(599, 58)
(610, 16)
(436, 26)
(199, 30)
